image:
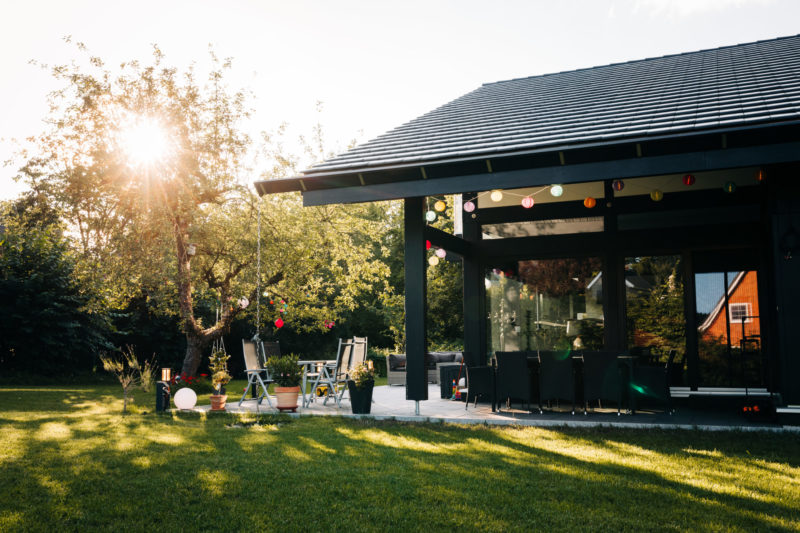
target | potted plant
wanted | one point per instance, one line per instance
(287, 375)
(220, 377)
(360, 385)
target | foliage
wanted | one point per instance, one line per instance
(218, 365)
(199, 383)
(130, 372)
(362, 375)
(48, 325)
(101, 472)
(285, 370)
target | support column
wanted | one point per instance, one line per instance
(474, 294)
(415, 304)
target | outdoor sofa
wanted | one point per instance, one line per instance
(396, 366)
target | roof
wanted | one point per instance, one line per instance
(718, 89)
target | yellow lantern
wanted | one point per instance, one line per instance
(656, 195)
(440, 206)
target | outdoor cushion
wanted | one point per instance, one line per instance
(397, 362)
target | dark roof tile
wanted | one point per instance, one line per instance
(722, 87)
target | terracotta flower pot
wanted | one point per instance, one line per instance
(218, 402)
(286, 398)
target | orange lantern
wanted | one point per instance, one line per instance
(589, 202)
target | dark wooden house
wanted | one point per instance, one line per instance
(679, 170)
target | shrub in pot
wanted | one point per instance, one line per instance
(287, 375)
(360, 385)
(219, 378)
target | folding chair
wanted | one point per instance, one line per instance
(334, 374)
(257, 374)
(358, 356)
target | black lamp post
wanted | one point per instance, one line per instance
(162, 390)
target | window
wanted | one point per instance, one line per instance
(740, 312)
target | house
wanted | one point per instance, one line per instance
(690, 160)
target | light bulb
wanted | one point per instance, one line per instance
(556, 190)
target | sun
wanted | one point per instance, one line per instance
(144, 141)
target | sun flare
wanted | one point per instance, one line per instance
(144, 141)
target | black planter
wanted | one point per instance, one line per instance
(360, 399)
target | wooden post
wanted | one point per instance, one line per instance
(415, 304)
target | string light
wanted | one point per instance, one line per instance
(430, 216)
(618, 185)
(729, 187)
(440, 206)
(469, 206)
(589, 202)
(688, 180)
(441, 253)
(496, 195)
(433, 260)
(656, 195)
(527, 202)
(556, 190)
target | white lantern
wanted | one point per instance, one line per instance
(433, 261)
(496, 195)
(430, 216)
(556, 190)
(185, 398)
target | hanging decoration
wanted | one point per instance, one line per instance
(427, 244)
(496, 195)
(656, 195)
(441, 253)
(433, 260)
(430, 216)
(556, 190)
(279, 323)
(440, 206)
(469, 206)
(243, 302)
(760, 175)
(618, 185)
(527, 202)
(688, 180)
(589, 202)
(729, 187)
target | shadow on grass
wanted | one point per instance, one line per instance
(84, 466)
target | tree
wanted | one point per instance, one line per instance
(146, 164)
(48, 326)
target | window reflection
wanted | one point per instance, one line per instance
(552, 304)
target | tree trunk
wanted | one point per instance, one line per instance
(195, 346)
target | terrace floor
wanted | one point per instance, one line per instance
(389, 402)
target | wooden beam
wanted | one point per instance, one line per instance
(451, 243)
(511, 179)
(416, 271)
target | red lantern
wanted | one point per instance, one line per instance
(688, 180)
(760, 175)
(618, 185)
(589, 202)
(427, 245)
(527, 202)
(279, 323)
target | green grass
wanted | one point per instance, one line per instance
(70, 462)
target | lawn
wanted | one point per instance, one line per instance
(71, 462)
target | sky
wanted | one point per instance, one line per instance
(373, 64)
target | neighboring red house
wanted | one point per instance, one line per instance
(742, 304)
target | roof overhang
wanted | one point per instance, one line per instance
(690, 152)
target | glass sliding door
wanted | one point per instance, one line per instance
(656, 322)
(729, 329)
(548, 304)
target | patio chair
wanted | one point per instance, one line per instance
(358, 356)
(480, 384)
(556, 378)
(334, 374)
(650, 384)
(513, 378)
(266, 349)
(257, 374)
(602, 379)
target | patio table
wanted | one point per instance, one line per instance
(309, 366)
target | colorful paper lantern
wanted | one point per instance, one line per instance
(729, 187)
(618, 185)
(441, 253)
(243, 302)
(556, 190)
(656, 195)
(760, 175)
(440, 206)
(427, 244)
(496, 195)
(688, 180)
(430, 216)
(279, 323)
(527, 202)
(469, 206)
(433, 260)
(589, 202)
